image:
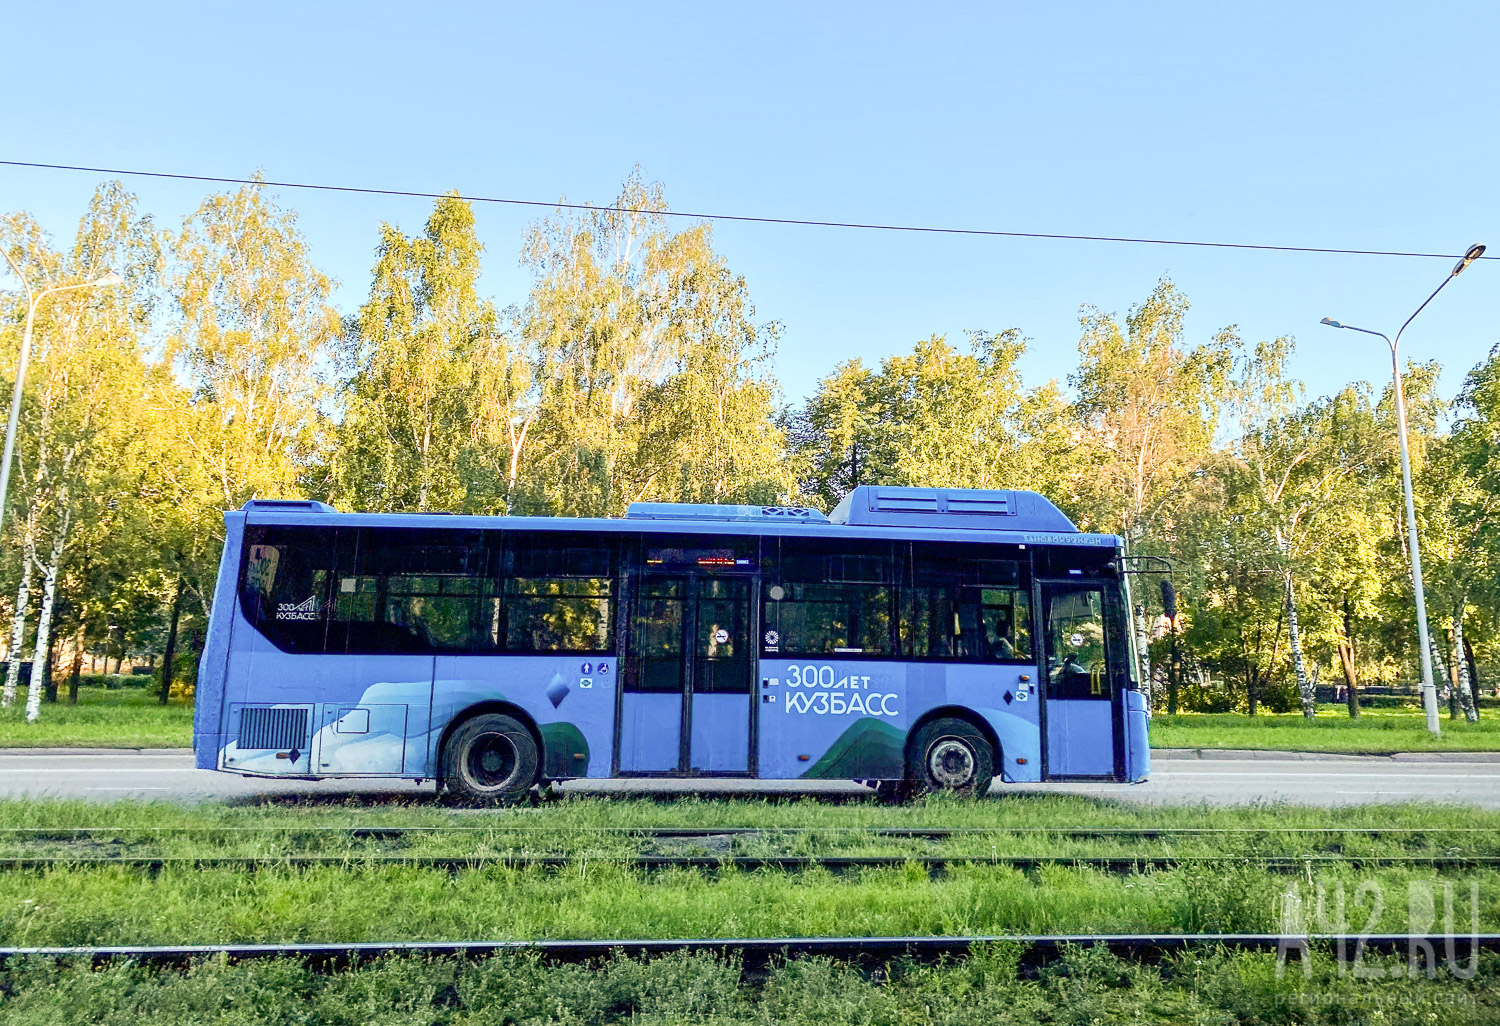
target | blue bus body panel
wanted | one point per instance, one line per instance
(720, 741)
(208, 700)
(650, 733)
(850, 719)
(1080, 736)
(770, 529)
(385, 715)
(570, 698)
(1137, 741)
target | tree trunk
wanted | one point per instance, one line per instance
(17, 636)
(1475, 684)
(1346, 659)
(171, 651)
(49, 683)
(1465, 690)
(1305, 687)
(77, 667)
(44, 622)
(1452, 679)
(1439, 664)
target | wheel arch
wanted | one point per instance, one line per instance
(479, 709)
(956, 712)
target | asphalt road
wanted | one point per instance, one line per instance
(1217, 778)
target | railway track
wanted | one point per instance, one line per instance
(834, 863)
(759, 953)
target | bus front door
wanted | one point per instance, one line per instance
(685, 701)
(1079, 699)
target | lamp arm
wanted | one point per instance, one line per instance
(62, 288)
(1367, 331)
(1420, 309)
(30, 297)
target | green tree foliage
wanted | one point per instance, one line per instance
(635, 367)
(646, 372)
(410, 405)
(87, 384)
(1149, 405)
(938, 417)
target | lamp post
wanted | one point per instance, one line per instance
(1424, 644)
(32, 299)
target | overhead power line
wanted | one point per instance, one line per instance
(743, 218)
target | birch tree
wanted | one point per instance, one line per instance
(254, 337)
(409, 407)
(1149, 405)
(84, 385)
(648, 373)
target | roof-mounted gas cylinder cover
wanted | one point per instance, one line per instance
(724, 513)
(972, 509)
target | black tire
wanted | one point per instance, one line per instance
(950, 756)
(491, 759)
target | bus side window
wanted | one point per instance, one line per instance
(285, 581)
(1005, 618)
(1076, 666)
(830, 601)
(963, 607)
(551, 592)
(408, 591)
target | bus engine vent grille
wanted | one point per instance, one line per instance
(280, 729)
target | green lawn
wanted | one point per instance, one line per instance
(597, 897)
(113, 718)
(1086, 987)
(1377, 731)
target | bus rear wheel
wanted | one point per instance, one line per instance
(491, 759)
(951, 756)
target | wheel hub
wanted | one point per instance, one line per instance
(492, 760)
(950, 762)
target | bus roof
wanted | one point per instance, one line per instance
(996, 516)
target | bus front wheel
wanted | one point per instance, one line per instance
(492, 759)
(951, 756)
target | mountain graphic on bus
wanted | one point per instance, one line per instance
(870, 749)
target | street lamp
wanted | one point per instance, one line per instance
(1429, 691)
(32, 299)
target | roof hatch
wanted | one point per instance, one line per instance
(287, 506)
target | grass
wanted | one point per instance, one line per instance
(580, 814)
(1376, 732)
(988, 988)
(595, 896)
(113, 718)
(600, 829)
(602, 900)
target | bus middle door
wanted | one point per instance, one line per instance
(685, 704)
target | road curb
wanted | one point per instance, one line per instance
(1266, 755)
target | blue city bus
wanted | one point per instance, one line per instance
(914, 639)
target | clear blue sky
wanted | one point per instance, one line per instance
(1353, 124)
